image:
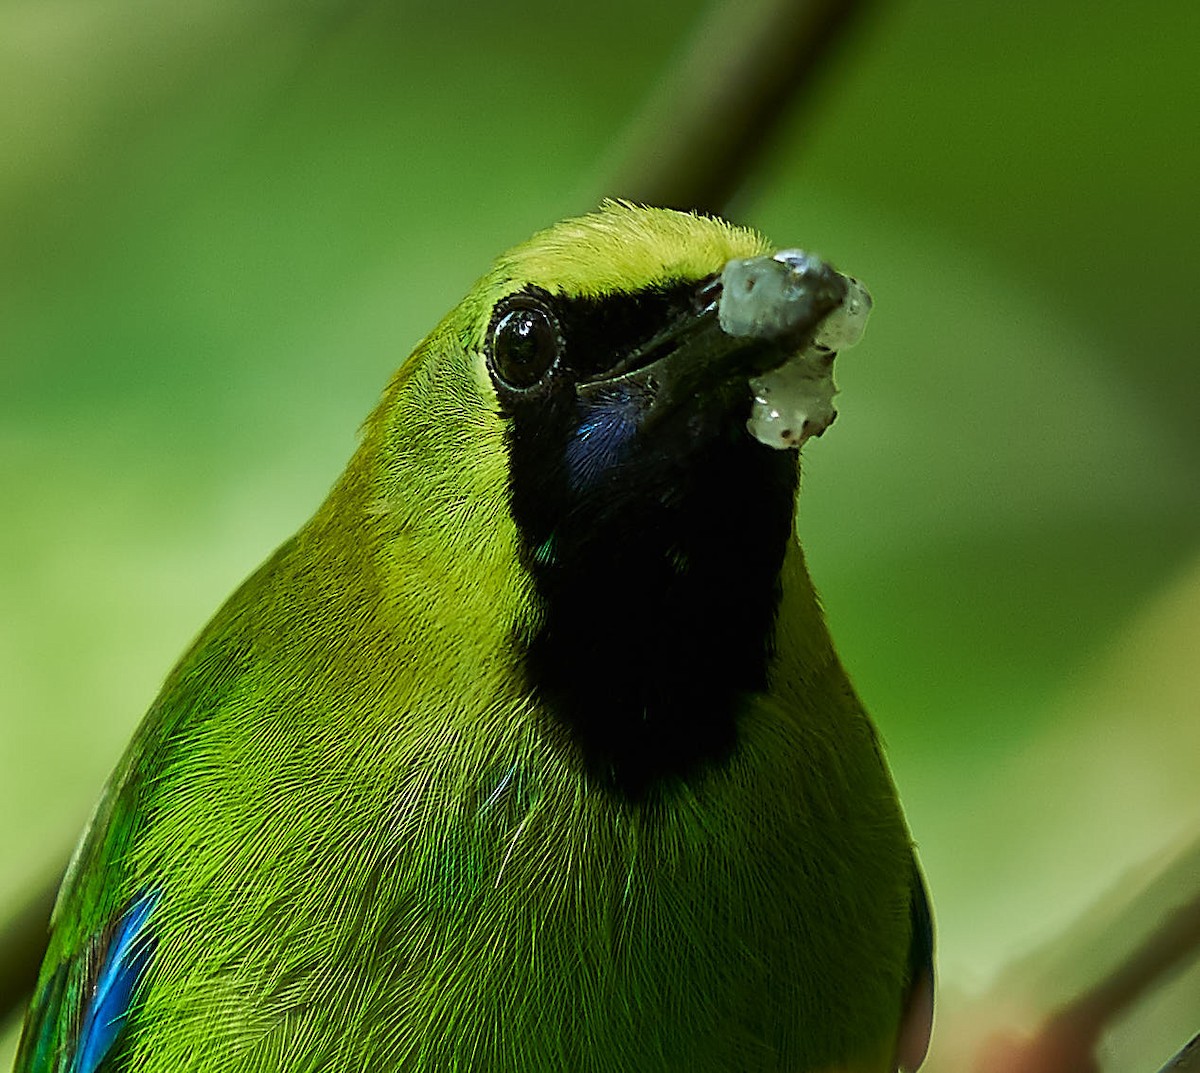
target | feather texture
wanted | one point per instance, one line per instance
(371, 846)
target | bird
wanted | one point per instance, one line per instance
(531, 750)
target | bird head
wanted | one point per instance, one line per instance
(614, 409)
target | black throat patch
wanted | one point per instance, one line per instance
(656, 555)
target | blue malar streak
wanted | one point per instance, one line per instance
(600, 440)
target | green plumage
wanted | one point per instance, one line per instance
(376, 846)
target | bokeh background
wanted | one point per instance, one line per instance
(223, 225)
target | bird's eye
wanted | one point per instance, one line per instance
(524, 343)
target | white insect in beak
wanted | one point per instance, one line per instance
(795, 401)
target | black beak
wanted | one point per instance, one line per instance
(744, 322)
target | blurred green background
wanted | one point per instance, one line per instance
(223, 225)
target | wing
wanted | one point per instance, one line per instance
(916, 1021)
(104, 928)
(101, 943)
(80, 1009)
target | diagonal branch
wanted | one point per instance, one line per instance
(1066, 1041)
(713, 116)
(1187, 1060)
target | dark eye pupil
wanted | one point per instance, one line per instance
(524, 347)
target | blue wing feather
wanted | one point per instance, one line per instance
(82, 1008)
(125, 962)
